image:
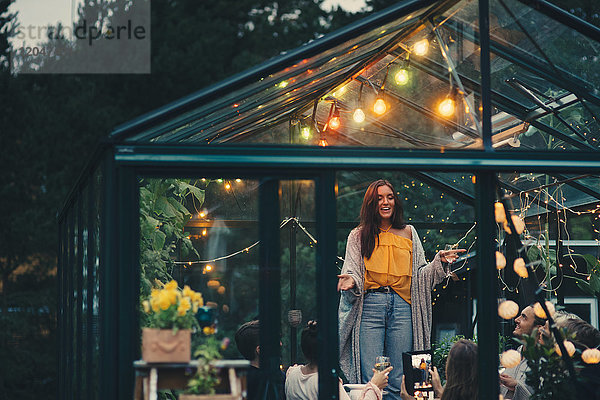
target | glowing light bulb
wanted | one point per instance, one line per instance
(208, 267)
(204, 232)
(305, 132)
(323, 142)
(334, 122)
(420, 48)
(202, 214)
(358, 116)
(446, 107)
(379, 107)
(401, 77)
(227, 186)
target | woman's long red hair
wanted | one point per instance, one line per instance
(370, 218)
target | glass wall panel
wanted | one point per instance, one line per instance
(76, 306)
(96, 210)
(203, 233)
(298, 266)
(441, 209)
(69, 304)
(83, 302)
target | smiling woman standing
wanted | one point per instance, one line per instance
(386, 283)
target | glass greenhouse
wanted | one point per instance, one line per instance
(247, 190)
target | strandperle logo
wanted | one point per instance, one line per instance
(116, 44)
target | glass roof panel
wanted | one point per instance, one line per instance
(286, 80)
(563, 47)
(534, 103)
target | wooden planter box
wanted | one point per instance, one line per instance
(162, 346)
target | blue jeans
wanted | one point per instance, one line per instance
(385, 330)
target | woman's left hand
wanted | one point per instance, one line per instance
(449, 256)
(403, 393)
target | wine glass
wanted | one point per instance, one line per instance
(382, 362)
(451, 247)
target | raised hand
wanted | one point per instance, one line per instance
(449, 256)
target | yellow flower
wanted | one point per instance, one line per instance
(187, 292)
(154, 293)
(184, 305)
(146, 305)
(171, 295)
(208, 330)
(164, 300)
(198, 299)
(154, 304)
(171, 285)
(194, 307)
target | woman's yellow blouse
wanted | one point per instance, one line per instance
(390, 265)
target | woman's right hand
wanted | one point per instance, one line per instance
(345, 282)
(380, 378)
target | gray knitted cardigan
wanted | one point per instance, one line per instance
(424, 277)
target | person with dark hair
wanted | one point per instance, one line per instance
(302, 381)
(584, 336)
(461, 374)
(386, 284)
(247, 340)
(512, 381)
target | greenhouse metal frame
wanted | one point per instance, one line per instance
(99, 225)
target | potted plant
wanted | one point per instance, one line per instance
(208, 377)
(170, 318)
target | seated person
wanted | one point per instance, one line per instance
(302, 381)
(248, 344)
(583, 336)
(512, 381)
(461, 374)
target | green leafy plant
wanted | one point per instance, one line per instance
(206, 377)
(546, 374)
(163, 215)
(440, 353)
(591, 286)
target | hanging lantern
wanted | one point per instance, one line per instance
(570, 347)
(518, 223)
(421, 47)
(510, 359)
(323, 142)
(539, 311)
(508, 309)
(591, 356)
(447, 107)
(520, 268)
(334, 123)
(499, 212)
(401, 77)
(358, 116)
(213, 284)
(500, 261)
(305, 132)
(379, 107)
